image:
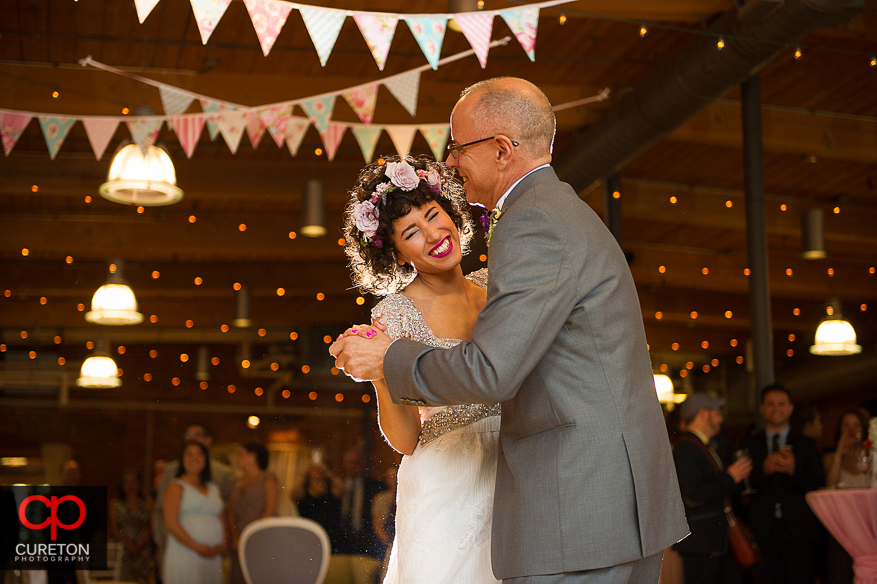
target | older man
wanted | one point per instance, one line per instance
(586, 489)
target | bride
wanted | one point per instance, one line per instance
(406, 229)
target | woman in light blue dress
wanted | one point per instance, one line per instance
(193, 509)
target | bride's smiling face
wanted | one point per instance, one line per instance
(427, 238)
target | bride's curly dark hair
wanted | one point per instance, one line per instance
(373, 258)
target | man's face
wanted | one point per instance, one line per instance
(473, 163)
(776, 409)
(714, 421)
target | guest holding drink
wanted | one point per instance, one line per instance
(847, 466)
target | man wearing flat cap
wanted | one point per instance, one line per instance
(706, 481)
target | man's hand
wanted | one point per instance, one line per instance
(780, 461)
(359, 352)
(740, 469)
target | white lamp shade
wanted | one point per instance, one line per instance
(835, 337)
(99, 371)
(135, 179)
(114, 304)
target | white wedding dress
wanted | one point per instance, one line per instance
(444, 498)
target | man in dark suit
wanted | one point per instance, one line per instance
(706, 484)
(786, 466)
(585, 485)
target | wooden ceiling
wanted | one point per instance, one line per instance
(683, 205)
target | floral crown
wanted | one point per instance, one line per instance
(402, 176)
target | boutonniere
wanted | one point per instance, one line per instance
(489, 221)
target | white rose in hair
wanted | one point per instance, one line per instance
(434, 180)
(365, 215)
(402, 175)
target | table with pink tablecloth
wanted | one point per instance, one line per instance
(851, 517)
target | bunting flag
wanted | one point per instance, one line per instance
(437, 137)
(378, 31)
(363, 100)
(268, 18)
(144, 131)
(367, 138)
(323, 26)
(55, 130)
(319, 111)
(210, 108)
(276, 118)
(188, 130)
(144, 7)
(477, 27)
(295, 131)
(175, 103)
(232, 125)
(403, 137)
(524, 22)
(11, 127)
(332, 138)
(99, 131)
(255, 128)
(207, 15)
(430, 33)
(405, 88)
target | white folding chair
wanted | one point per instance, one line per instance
(284, 550)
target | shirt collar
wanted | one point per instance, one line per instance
(505, 195)
(702, 437)
(783, 434)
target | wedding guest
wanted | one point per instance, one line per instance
(130, 523)
(356, 537)
(318, 495)
(253, 496)
(808, 421)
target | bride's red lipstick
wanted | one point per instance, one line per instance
(449, 250)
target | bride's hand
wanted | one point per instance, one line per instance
(364, 330)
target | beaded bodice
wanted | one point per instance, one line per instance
(404, 321)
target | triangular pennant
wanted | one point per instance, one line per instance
(430, 33)
(524, 22)
(437, 138)
(332, 138)
(477, 27)
(55, 130)
(188, 130)
(99, 131)
(255, 128)
(362, 100)
(11, 127)
(207, 15)
(323, 26)
(268, 18)
(144, 7)
(175, 103)
(232, 126)
(210, 108)
(319, 111)
(402, 137)
(276, 118)
(405, 88)
(144, 131)
(367, 138)
(295, 131)
(378, 31)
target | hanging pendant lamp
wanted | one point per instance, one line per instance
(665, 390)
(835, 336)
(313, 222)
(99, 370)
(114, 303)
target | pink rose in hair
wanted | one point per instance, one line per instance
(434, 180)
(402, 175)
(365, 215)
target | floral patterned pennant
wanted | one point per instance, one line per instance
(268, 18)
(319, 111)
(11, 127)
(362, 100)
(430, 33)
(207, 15)
(367, 138)
(378, 31)
(295, 131)
(144, 131)
(55, 130)
(437, 137)
(524, 22)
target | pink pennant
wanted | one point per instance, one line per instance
(362, 100)
(99, 131)
(295, 133)
(276, 118)
(477, 28)
(144, 131)
(207, 15)
(332, 138)
(255, 128)
(378, 31)
(11, 127)
(268, 18)
(188, 130)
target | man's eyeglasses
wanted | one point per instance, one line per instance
(455, 149)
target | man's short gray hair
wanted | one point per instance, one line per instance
(524, 117)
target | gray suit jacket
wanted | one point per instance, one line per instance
(585, 477)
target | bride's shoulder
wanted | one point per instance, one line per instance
(479, 277)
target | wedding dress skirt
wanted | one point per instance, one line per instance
(444, 506)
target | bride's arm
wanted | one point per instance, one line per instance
(399, 424)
